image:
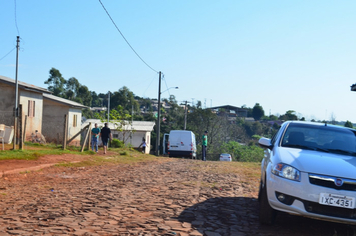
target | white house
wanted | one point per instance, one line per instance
(140, 129)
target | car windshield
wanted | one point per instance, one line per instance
(320, 138)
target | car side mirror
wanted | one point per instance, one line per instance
(265, 143)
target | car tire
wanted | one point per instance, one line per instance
(266, 213)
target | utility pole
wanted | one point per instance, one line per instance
(158, 115)
(131, 122)
(108, 107)
(185, 115)
(16, 113)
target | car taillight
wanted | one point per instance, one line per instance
(168, 145)
(191, 145)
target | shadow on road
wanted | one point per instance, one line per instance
(239, 216)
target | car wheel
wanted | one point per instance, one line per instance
(266, 212)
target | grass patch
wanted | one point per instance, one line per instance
(32, 151)
(19, 155)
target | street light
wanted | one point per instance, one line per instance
(169, 89)
(159, 114)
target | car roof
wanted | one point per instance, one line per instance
(309, 123)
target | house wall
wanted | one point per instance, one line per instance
(53, 121)
(33, 123)
(7, 104)
(74, 126)
(136, 138)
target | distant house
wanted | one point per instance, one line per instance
(98, 109)
(141, 129)
(54, 110)
(44, 113)
(31, 99)
(231, 110)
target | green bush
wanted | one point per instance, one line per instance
(115, 143)
(244, 153)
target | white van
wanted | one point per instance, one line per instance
(181, 143)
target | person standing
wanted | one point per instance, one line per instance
(204, 145)
(95, 136)
(143, 145)
(105, 135)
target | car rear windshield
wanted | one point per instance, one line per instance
(320, 138)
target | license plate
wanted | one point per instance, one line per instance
(337, 200)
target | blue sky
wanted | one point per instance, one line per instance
(285, 55)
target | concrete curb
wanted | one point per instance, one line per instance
(32, 168)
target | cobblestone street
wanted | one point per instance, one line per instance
(157, 198)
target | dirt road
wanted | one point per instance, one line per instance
(170, 197)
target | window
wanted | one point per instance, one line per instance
(31, 108)
(75, 119)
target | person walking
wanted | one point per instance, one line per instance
(143, 145)
(95, 137)
(105, 135)
(204, 145)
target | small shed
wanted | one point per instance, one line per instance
(132, 134)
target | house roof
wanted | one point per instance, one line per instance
(63, 101)
(23, 85)
(228, 107)
(136, 125)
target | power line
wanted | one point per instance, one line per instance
(18, 32)
(7, 53)
(154, 78)
(125, 38)
(165, 81)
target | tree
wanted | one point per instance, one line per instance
(348, 124)
(56, 83)
(121, 120)
(84, 95)
(257, 111)
(125, 98)
(96, 100)
(290, 115)
(72, 86)
(204, 119)
(273, 117)
(199, 105)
